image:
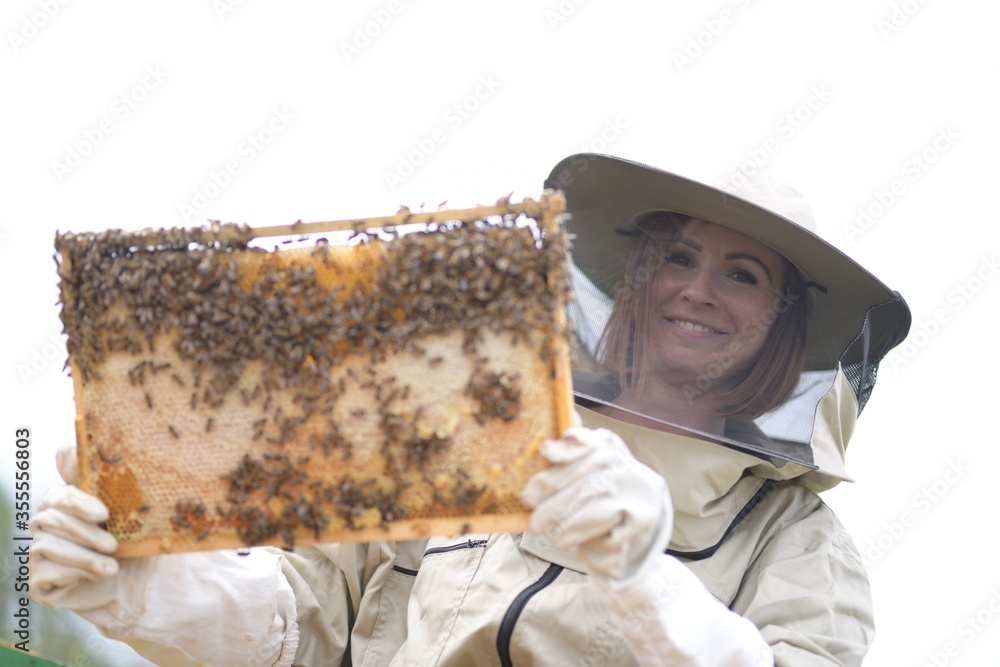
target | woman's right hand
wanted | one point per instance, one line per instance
(72, 565)
(177, 609)
(69, 548)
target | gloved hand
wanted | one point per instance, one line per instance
(614, 513)
(71, 563)
(69, 548)
(178, 609)
(600, 504)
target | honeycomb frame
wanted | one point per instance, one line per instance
(395, 387)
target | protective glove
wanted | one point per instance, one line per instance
(69, 549)
(68, 546)
(600, 504)
(614, 513)
(194, 608)
(668, 617)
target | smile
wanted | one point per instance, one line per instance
(693, 327)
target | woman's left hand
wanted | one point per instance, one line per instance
(614, 513)
(600, 504)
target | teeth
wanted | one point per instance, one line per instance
(691, 326)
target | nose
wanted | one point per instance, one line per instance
(699, 288)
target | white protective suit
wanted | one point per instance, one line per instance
(755, 536)
(706, 555)
(760, 570)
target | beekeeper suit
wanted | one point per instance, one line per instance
(651, 541)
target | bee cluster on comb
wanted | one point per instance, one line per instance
(396, 384)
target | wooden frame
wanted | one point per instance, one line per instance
(154, 456)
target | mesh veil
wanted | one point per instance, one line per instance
(851, 320)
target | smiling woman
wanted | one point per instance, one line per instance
(724, 323)
(718, 305)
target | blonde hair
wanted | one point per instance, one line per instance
(770, 379)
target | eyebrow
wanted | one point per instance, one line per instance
(687, 242)
(732, 255)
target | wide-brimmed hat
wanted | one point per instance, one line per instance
(855, 319)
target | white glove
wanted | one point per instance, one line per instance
(68, 546)
(69, 549)
(670, 618)
(194, 608)
(614, 513)
(600, 504)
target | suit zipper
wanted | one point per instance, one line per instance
(516, 607)
(471, 544)
(742, 514)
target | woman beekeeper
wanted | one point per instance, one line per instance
(723, 355)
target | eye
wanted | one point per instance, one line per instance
(743, 276)
(679, 259)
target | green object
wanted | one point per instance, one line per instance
(10, 657)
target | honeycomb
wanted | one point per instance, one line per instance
(396, 383)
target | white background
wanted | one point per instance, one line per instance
(837, 98)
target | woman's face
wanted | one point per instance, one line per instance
(713, 302)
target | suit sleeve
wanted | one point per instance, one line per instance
(808, 593)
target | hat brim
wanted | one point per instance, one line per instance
(604, 194)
